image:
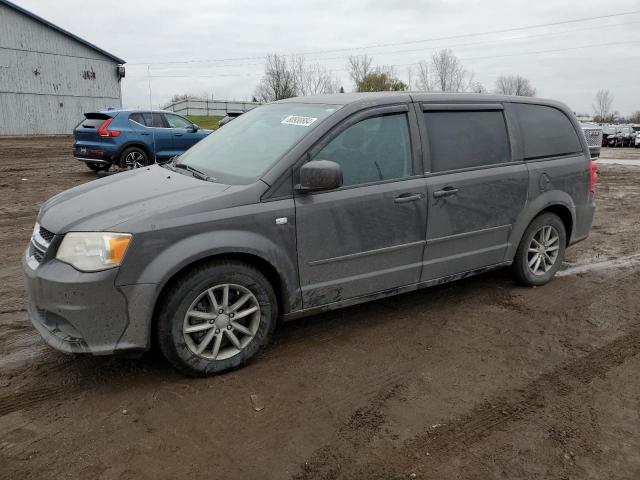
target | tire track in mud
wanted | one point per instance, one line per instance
(437, 445)
(358, 431)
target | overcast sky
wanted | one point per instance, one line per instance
(199, 31)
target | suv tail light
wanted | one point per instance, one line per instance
(103, 132)
(593, 176)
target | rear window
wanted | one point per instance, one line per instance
(149, 120)
(92, 122)
(546, 132)
(139, 118)
(464, 139)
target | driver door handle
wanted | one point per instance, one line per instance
(445, 192)
(408, 197)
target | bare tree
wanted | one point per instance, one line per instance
(312, 79)
(423, 82)
(448, 74)
(359, 66)
(278, 81)
(602, 108)
(514, 85)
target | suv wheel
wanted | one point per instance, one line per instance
(133, 157)
(97, 167)
(541, 251)
(216, 318)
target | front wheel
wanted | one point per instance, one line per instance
(216, 317)
(541, 251)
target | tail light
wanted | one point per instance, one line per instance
(593, 176)
(103, 132)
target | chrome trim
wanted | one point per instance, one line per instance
(93, 160)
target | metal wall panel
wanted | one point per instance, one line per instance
(48, 80)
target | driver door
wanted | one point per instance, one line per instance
(367, 236)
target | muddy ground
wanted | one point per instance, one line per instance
(478, 379)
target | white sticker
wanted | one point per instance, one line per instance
(297, 120)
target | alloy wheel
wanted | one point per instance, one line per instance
(543, 250)
(134, 160)
(221, 321)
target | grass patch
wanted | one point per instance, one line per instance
(205, 122)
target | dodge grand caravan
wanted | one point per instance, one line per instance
(306, 205)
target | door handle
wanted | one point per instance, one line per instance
(408, 197)
(178, 134)
(145, 134)
(445, 192)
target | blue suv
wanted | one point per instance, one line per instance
(132, 138)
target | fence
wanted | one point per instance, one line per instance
(208, 108)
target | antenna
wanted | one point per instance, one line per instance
(153, 129)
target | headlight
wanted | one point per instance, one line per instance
(93, 251)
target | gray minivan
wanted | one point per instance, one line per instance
(306, 205)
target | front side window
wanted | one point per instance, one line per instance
(465, 139)
(246, 148)
(176, 121)
(546, 132)
(372, 150)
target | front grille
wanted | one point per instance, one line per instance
(40, 241)
(46, 234)
(593, 136)
(36, 252)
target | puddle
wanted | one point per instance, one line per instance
(623, 262)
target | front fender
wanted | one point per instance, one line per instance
(532, 210)
(173, 256)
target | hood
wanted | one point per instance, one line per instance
(103, 204)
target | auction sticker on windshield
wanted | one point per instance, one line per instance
(298, 120)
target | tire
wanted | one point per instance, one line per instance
(181, 335)
(133, 157)
(527, 269)
(97, 167)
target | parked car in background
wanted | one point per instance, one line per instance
(132, 138)
(302, 206)
(593, 135)
(635, 136)
(228, 117)
(610, 136)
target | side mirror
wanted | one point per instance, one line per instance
(319, 175)
(195, 128)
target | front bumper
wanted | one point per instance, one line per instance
(78, 312)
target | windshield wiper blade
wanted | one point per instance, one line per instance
(194, 171)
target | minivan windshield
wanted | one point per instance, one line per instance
(241, 151)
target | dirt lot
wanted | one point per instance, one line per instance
(476, 379)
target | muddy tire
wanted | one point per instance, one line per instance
(541, 251)
(216, 317)
(133, 157)
(97, 167)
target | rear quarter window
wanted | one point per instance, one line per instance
(546, 132)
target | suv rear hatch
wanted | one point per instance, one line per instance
(93, 137)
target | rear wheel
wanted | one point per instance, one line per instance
(541, 250)
(97, 167)
(216, 318)
(133, 157)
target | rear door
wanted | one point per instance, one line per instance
(475, 190)
(161, 141)
(367, 236)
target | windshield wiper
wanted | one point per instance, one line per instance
(194, 171)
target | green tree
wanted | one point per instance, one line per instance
(381, 82)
